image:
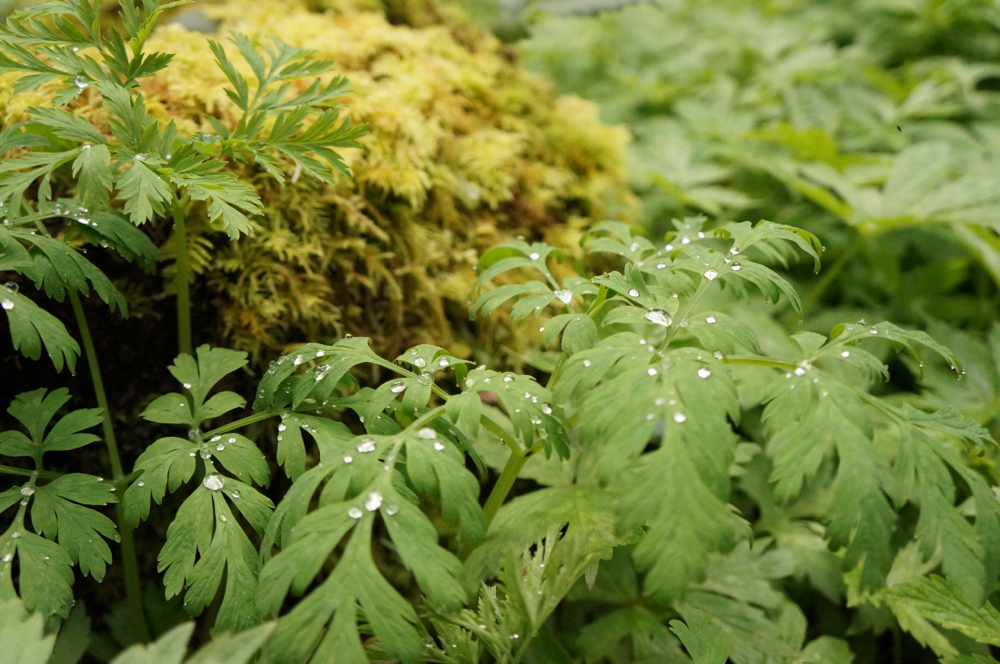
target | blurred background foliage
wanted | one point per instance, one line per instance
(873, 123)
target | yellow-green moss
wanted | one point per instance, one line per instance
(466, 149)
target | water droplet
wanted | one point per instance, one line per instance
(419, 362)
(845, 353)
(222, 518)
(427, 433)
(438, 445)
(508, 379)
(367, 445)
(27, 490)
(81, 82)
(374, 501)
(533, 256)
(355, 513)
(710, 319)
(872, 330)
(427, 379)
(565, 295)
(443, 362)
(658, 317)
(299, 359)
(547, 409)
(15, 534)
(282, 427)
(141, 484)
(7, 304)
(652, 371)
(704, 372)
(711, 274)
(679, 417)
(214, 482)
(397, 386)
(736, 267)
(142, 157)
(321, 371)
(587, 363)
(391, 509)
(8, 557)
(221, 448)
(633, 292)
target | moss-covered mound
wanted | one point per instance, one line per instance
(465, 149)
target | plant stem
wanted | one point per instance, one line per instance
(506, 480)
(24, 472)
(95, 378)
(672, 331)
(760, 362)
(830, 276)
(239, 424)
(133, 588)
(181, 278)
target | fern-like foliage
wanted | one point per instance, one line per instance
(205, 539)
(135, 169)
(638, 424)
(55, 526)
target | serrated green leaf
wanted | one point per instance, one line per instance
(165, 465)
(703, 639)
(23, 636)
(937, 600)
(145, 193)
(35, 411)
(57, 512)
(31, 327)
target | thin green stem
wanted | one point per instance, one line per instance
(25, 472)
(506, 480)
(130, 562)
(760, 362)
(500, 433)
(672, 330)
(831, 275)
(95, 378)
(238, 424)
(182, 277)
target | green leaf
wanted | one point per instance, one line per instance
(324, 624)
(165, 465)
(145, 193)
(223, 649)
(436, 466)
(31, 327)
(94, 177)
(584, 510)
(937, 600)
(113, 229)
(205, 528)
(57, 512)
(46, 576)
(22, 635)
(58, 267)
(702, 638)
(35, 411)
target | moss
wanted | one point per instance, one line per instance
(466, 149)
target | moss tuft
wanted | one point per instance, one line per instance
(466, 149)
